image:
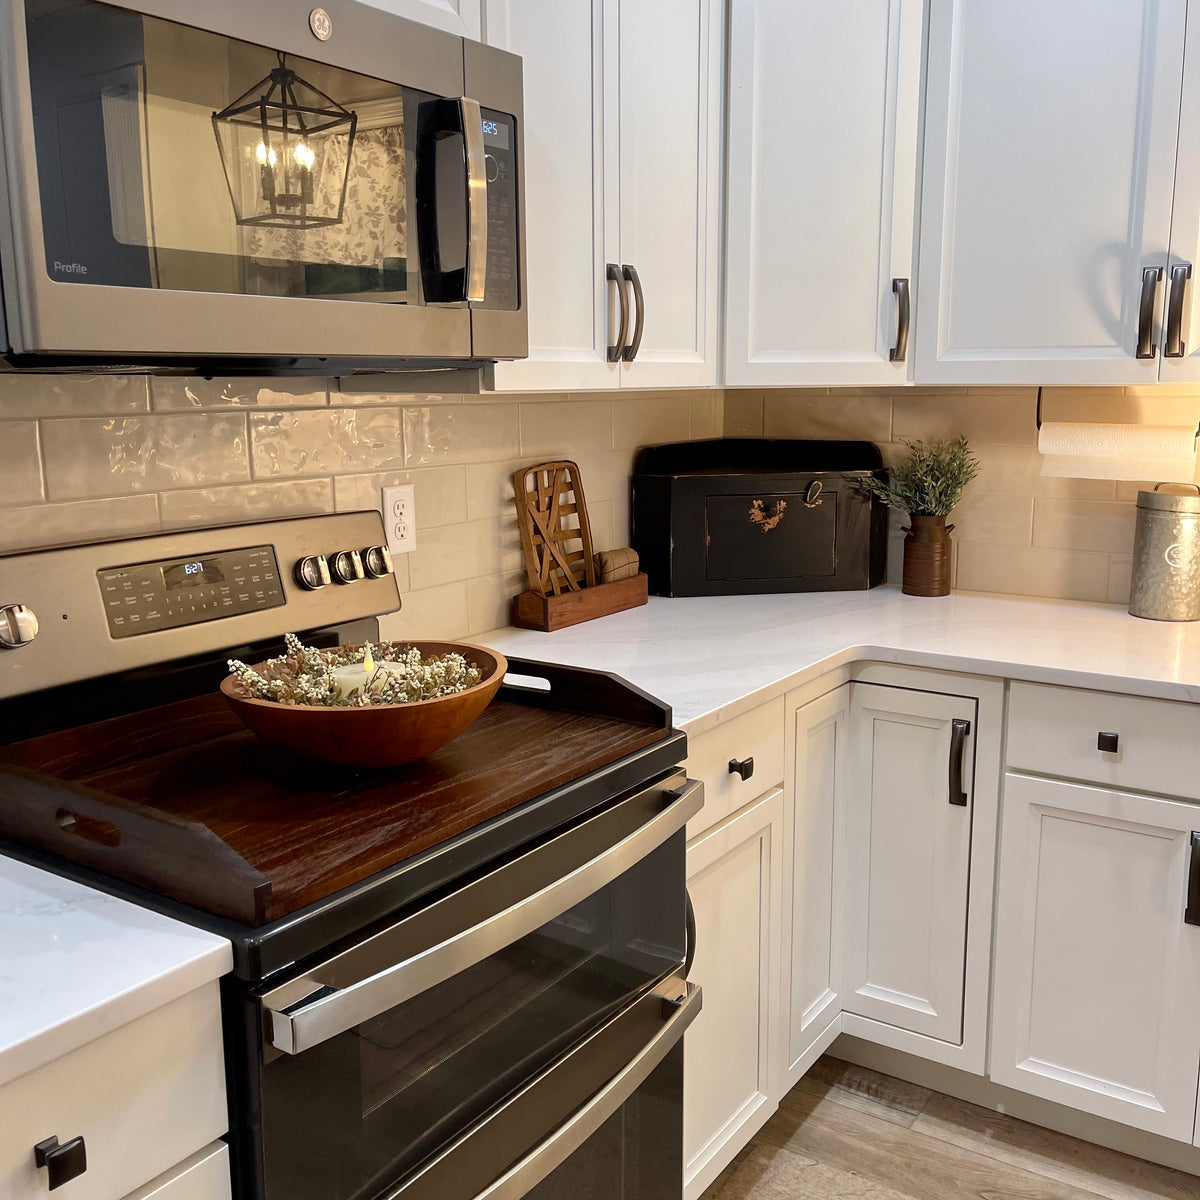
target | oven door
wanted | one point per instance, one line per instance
(499, 1035)
(216, 181)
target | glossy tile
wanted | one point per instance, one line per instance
(72, 395)
(998, 520)
(1032, 571)
(1017, 471)
(462, 434)
(561, 430)
(325, 442)
(1157, 404)
(995, 416)
(708, 415)
(42, 525)
(837, 413)
(20, 463)
(490, 489)
(489, 601)
(449, 553)
(1083, 524)
(1120, 578)
(171, 392)
(92, 456)
(245, 502)
(436, 613)
(743, 414)
(440, 493)
(649, 418)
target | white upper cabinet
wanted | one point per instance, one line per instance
(1050, 153)
(1181, 354)
(824, 107)
(622, 179)
(454, 16)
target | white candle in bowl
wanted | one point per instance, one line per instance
(355, 676)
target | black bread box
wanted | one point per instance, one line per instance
(733, 516)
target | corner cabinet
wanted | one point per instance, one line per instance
(1051, 210)
(623, 112)
(824, 109)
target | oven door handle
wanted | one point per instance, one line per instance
(529, 1171)
(343, 991)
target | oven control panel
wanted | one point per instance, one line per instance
(184, 591)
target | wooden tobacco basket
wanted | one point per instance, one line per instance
(559, 558)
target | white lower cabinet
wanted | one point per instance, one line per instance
(203, 1176)
(735, 874)
(813, 822)
(1097, 977)
(908, 855)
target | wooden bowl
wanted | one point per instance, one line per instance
(379, 735)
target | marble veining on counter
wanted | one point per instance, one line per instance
(711, 658)
(76, 963)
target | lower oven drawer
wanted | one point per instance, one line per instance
(142, 1097)
(432, 1056)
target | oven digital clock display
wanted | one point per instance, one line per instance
(191, 574)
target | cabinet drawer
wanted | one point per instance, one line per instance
(756, 735)
(205, 1174)
(143, 1097)
(1054, 731)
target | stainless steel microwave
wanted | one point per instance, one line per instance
(255, 187)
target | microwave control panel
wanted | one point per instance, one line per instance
(503, 257)
(184, 591)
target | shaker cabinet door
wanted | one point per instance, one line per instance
(824, 104)
(735, 874)
(1049, 159)
(1097, 977)
(568, 54)
(908, 838)
(670, 145)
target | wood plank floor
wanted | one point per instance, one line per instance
(846, 1133)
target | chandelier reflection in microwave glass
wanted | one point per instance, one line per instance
(275, 141)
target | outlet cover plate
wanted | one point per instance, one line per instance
(399, 507)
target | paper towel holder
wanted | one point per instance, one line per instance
(1037, 417)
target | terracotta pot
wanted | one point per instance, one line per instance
(927, 557)
(381, 735)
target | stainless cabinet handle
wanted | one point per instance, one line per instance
(398, 963)
(639, 301)
(958, 749)
(898, 352)
(1145, 336)
(615, 352)
(535, 1166)
(1173, 346)
(1191, 914)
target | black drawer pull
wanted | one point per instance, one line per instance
(743, 767)
(63, 1163)
(958, 750)
(1191, 914)
(1107, 742)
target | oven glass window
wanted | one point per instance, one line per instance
(359, 1112)
(171, 157)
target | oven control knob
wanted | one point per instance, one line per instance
(377, 561)
(18, 626)
(312, 572)
(347, 566)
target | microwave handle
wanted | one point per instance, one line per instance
(376, 975)
(439, 119)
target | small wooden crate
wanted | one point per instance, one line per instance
(532, 610)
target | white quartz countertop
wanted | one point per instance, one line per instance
(711, 658)
(76, 963)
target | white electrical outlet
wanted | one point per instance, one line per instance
(399, 507)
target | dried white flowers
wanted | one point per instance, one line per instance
(305, 675)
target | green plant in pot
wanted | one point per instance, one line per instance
(927, 485)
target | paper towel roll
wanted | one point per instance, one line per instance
(1163, 453)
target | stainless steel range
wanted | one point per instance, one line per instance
(463, 977)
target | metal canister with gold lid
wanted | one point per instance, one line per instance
(1166, 555)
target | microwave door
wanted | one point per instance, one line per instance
(142, 226)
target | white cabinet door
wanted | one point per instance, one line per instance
(670, 121)
(907, 857)
(1050, 137)
(1185, 224)
(571, 174)
(824, 109)
(1097, 983)
(812, 937)
(734, 879)
(454, 16)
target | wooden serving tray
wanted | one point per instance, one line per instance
(186, 801)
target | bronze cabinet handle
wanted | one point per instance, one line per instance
(898, 352)
(639, 301)
(617, 351)
(1173, 346)
(1145, 336)
(958, 750)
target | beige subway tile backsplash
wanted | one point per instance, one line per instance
(743, 414)
(72, 395)
(998, 417)
(646, 420)
(324, 441)
(173, 392)
(43, 525)
(20, 464)
(833, 413)
(109, 456)
(461, 434)
(245, 502)
(440, 493)
(1103, 525)
(552, 430)
(996, 520)
(1032, 571)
